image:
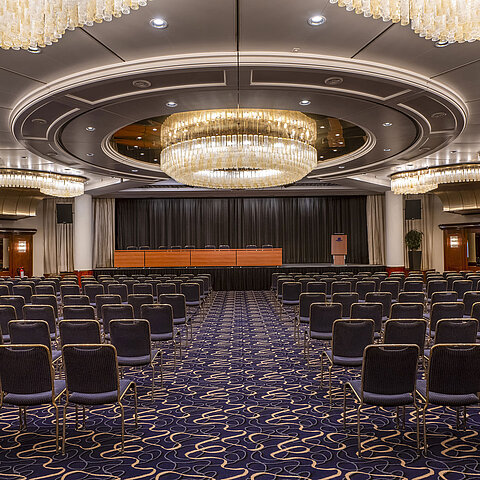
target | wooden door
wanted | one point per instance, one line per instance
(455, 249)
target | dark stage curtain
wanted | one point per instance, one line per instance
(300, 225)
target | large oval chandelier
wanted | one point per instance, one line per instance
(37, 23)
(439, 20)
(428, 179)
(238, 148)
(48, 183)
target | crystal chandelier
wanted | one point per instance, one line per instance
(48, 183)
(427, 179)
(439, 20)
(238, 148)
(37, 23)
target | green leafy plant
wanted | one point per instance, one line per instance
(413, 239)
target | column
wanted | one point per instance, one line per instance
(394, 255)
(83, 233)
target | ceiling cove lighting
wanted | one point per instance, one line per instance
(438, 20)
(238, 148)
(427, 179)
(48, 183)
(36, 23)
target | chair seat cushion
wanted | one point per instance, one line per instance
(304, 319)
(290, 302)
(179, 321)
(195, 303)
(134, 361)
(381, 400)
(99, 398)
(35, 398)
(6, 338)
(345, 361)
(159, 337)
(445, 399)
(320, 335)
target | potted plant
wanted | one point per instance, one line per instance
(413, 240)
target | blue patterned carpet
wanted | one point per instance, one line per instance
(242, 405)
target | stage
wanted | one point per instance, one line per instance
(244, 278)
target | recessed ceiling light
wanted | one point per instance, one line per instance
(321, 156)
(295, 49)
(158, 22)
(340, 143)
(316, 20)
(90, 129)
(386, 149)
(322, 126)
(139, 138)
(304, 102)
(90, 154)
(332, 81)
(155, 159)
(154, 129)
(135, 146)
(142, 153)
(171, 104)
(141, 83)
(442, 43)
(341, 166)
(387, 124)
(34, 50)
(334, 150)
(134, 170)
(337, 134)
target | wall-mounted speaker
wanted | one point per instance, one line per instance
(64, 213)
(413, 209)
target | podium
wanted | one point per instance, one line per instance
(339, 248)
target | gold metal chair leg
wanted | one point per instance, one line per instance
(153, 380)
(425, 445)
(359, 440)
(135, 403)
(122, 414)
(330, 385)
(83, 415)
(417, 416)
(56, 428)
(64, 427)
(344, 405)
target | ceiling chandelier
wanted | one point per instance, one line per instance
(48, 183)
(238, 148)
(427, 179)
(37, 23)
(439, 20)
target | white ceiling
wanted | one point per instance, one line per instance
(266, 25)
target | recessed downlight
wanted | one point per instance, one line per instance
(134, 170)
(304, 102)
(171, 104)
(90, 154)
(334, 150)
(34, 50)
(139, 138)
(387, 124)
(341, 166)
(155, 159)
(141, 83)
(159, 23)
(337, 134)
(442, 43)
(142, 153)
(154, 129)
(90, 129)
(316, 20)
(387, 149)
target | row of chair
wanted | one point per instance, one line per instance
(192, 247)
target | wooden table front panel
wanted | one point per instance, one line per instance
(214, 258)
(259, 258)
(129, 258)
(167, 258)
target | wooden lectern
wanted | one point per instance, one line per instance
(339, 248)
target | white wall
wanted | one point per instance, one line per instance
(440, 217)
(36, 223)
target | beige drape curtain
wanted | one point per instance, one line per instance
(103, 232)
(376, 229)
(424, 225)
(58, 239)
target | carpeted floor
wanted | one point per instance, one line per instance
(242, 405)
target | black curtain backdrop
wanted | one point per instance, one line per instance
(300, 225)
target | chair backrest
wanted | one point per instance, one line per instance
(118, 289)
(79, 331)
(160, 317)
(411, 297)
(44, 290)
(363, 287)
(90, 368)
(76, 300)
(224, 246)
(115, 311)
(370, 310)
(469, 298)
(346, 300)
(451, 279)
(144, 247)
(92, 290)
(26, 369)
(29, 332)
(7, 313)
(106, 299)
(317, 287)
(385, 298)
(456, 330)
(341, 287)
(169, 287)
(444, 296)
(291, 291)
(306, 299)
(267, 245)
(70, 289)
(210, 246)
(442, 310)
(390, 369)
(406, 310)
(405, 331)
(436, 286)
(132, 247)
(78, 312)
(323, 315)
(9, 286)
(136, 300)
(177, 302)
(350, 337)
(191, 291)
(24, 290)
(129, 283)
(143, 288)
(202, 283)
(454, 369)
(4, 290)
(17, 301)
(392, 286)
(462, 286)
(280, 282)
(41, 312)
(413, 286)
(131, 338)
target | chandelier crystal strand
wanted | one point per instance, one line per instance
(238, 148)
(38, 23)
(439, 20)
(428, 179)
(48, 183)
